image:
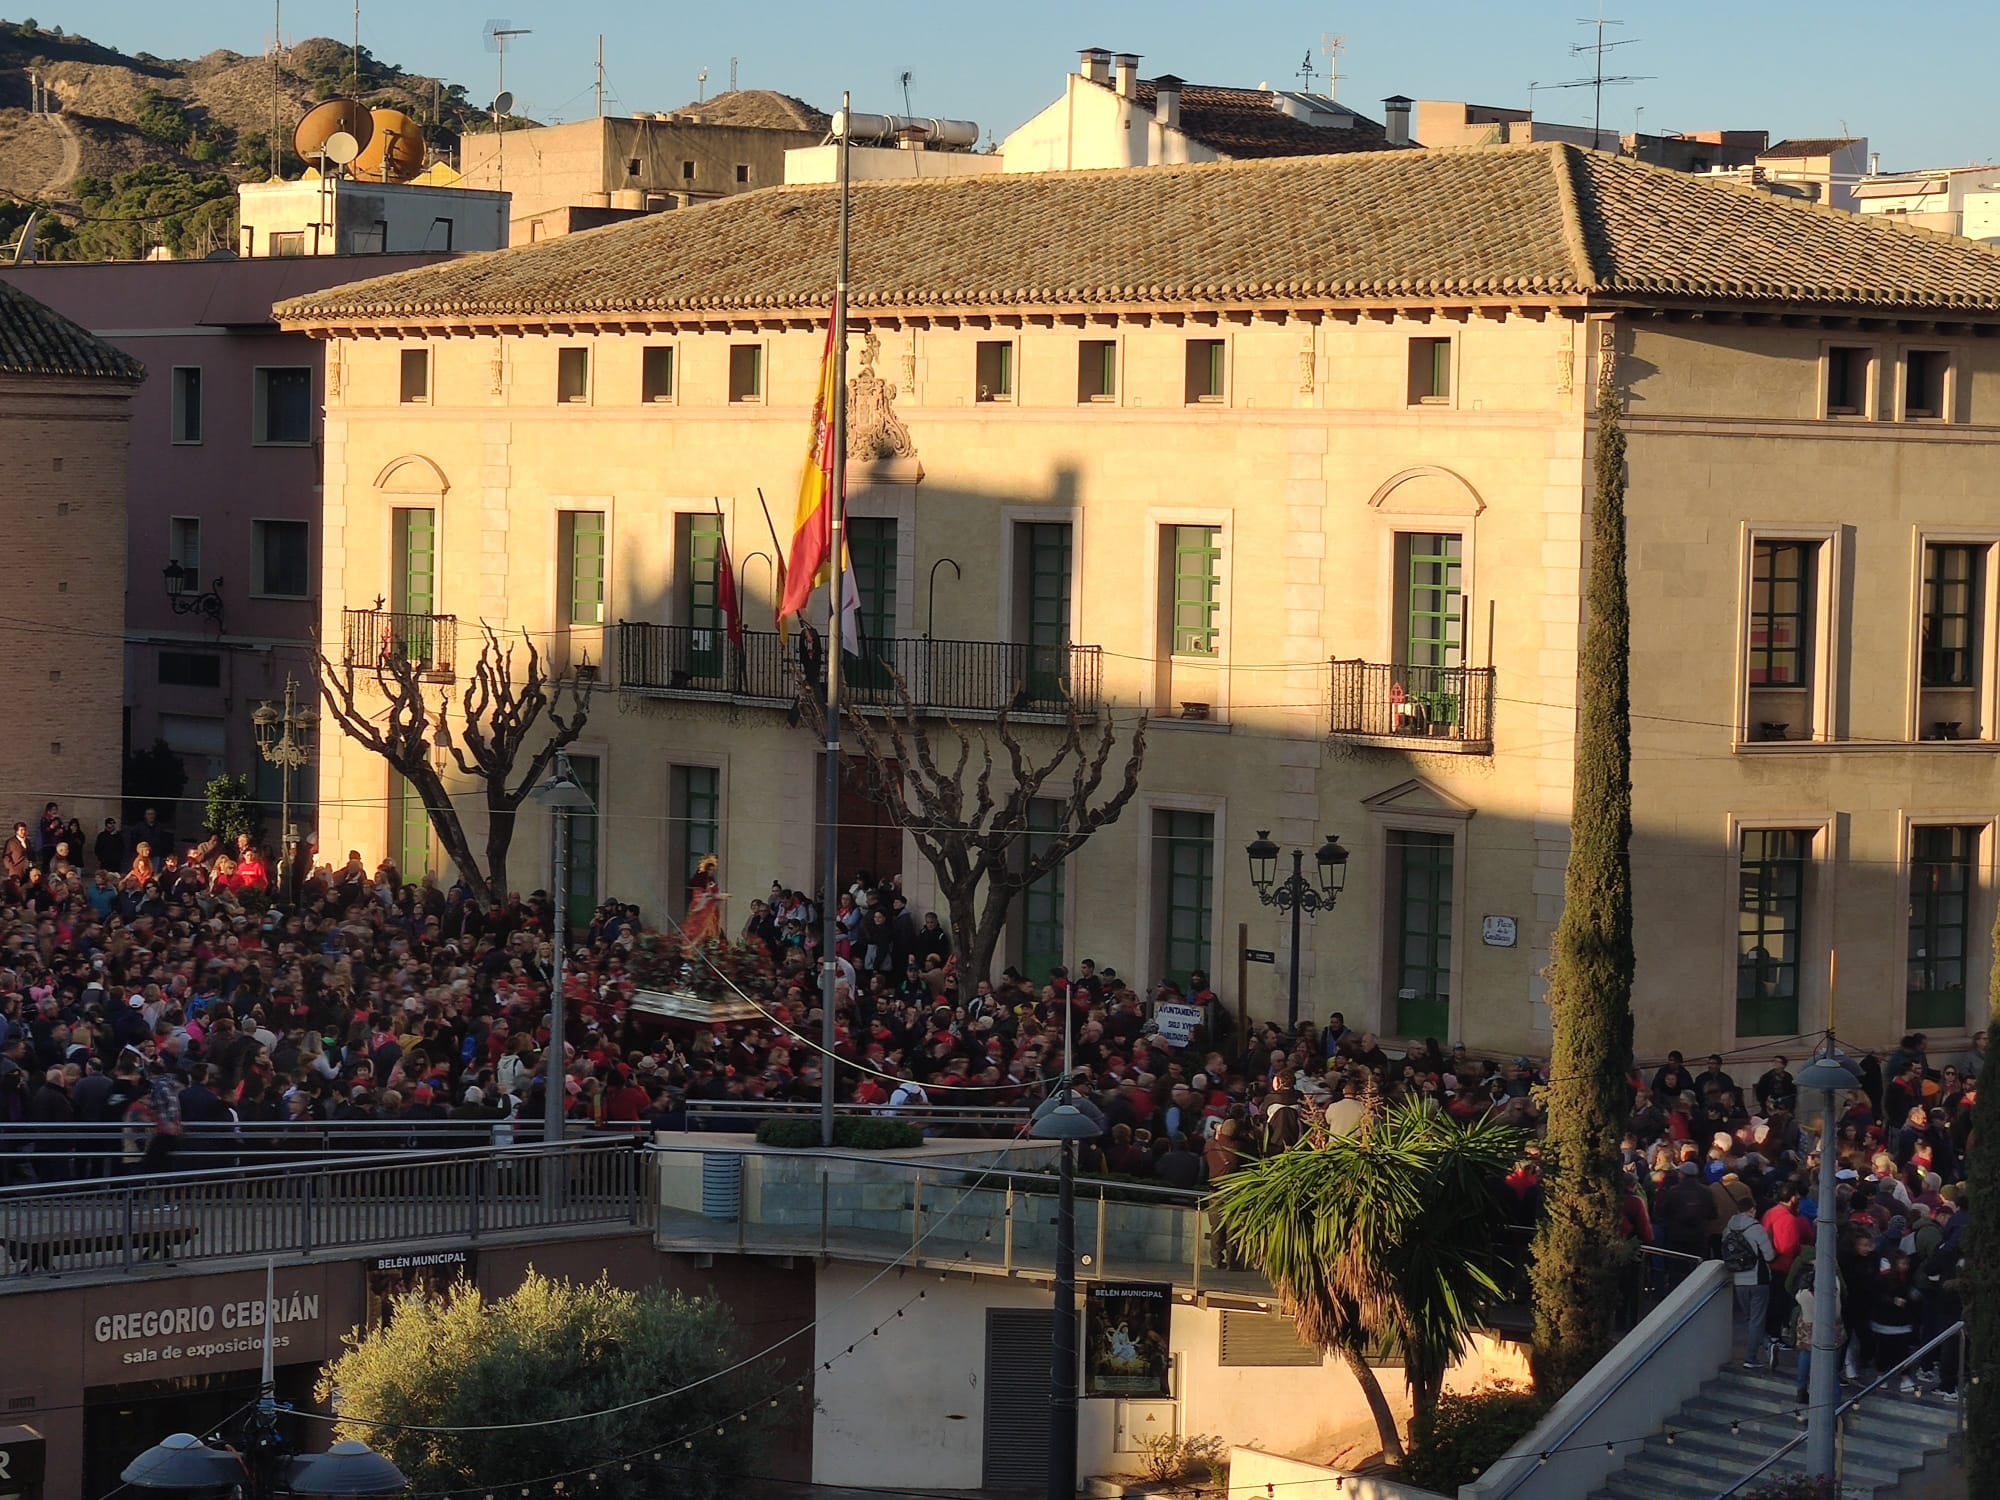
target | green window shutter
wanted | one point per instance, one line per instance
(1042, 902)
(700, 814)
(585, 566)
(409, 828)
(1048, 562)
(1942, 881)
(416, 562)
(1187, 851)
(1423, 918)
(1434, 602)
(871, 546)
(1770, 913)
(580, 875)
(1197, 589)
(704, 598)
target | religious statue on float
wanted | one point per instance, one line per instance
(703, 922)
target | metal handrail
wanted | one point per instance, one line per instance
(996, 1176)
(1687, 1316)
(1013, 1118)
(1843, 1407)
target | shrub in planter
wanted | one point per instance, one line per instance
(1175, 1461)
(1467, 1434)
(854, 1133)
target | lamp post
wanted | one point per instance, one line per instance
(1063, 1119)
(562, 796)
(285, 740)
(1829, 1074)
(1295, 894)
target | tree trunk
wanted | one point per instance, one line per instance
(499, 839)
(1579, 1252)
(1378, 1404)
(976, 960)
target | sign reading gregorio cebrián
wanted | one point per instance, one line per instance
(206, 1323)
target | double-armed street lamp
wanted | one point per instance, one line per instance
(284, 738)
(1295, 894)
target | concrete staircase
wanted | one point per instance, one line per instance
(1888, 1435)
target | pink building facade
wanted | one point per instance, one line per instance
(225, 486)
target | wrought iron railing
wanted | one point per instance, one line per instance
(1382, 700)
(380, 638)
(942, 676)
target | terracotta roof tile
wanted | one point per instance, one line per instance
(1810, 146)
(1245, 125)
(37, 340)
(1509, 221)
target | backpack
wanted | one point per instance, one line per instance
(1738, 1254)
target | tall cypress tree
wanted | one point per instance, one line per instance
(1980, 1275)
(1578, 1253)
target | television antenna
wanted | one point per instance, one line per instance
(1331, 45)
(701, 86)
(498, 35)
(1598, 78)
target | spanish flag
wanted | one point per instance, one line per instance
(812, 528)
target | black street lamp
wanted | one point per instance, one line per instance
(1294, 894)
(1066, 1120)
(187, 597)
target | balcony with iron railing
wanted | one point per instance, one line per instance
(1445, 710)
(943, 677)
(378, 639)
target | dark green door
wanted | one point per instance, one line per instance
(1423, 939)
(1042, 902)
(871, 545)
(409, 829)
(580, 875)
(1048, 563)
(705, 624)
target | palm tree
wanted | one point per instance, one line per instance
(1385, 1236)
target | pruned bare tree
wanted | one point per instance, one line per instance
(498, 716)
(974, 836)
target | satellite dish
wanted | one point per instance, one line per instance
(341, 148)
(504, 103)
(324, 121)
(395, 152)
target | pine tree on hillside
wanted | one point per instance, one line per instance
(1578, 1255)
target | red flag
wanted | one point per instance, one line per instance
(725, 591)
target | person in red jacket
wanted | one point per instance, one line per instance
(1788, 1233)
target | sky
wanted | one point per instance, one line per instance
(1829, 67)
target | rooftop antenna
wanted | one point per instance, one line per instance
(498, 35)
(701, 86)
(1598, 78)
(600, 75)
(732, 75)
(1306, 71)
(357, 49)
(1331, 45)
(277, 84)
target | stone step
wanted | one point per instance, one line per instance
(1876, 1465)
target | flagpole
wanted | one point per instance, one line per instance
(836, 581)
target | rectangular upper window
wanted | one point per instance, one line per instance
(1430, 372)
(656, 373)
(282, 406)
(184, 542)
(687, 171)
(1196, 600)
(582, 579)
(1924, 373)
(573, 375)
(1770, 920)
(1944, 863)
(280, 564)
(415, 372)
(1951, 613)
(995, 373)
(187, 404)
(197, 669)
(1848, 367)
(746, 372)
(1205, 371)
(1097, 370)
(743, 172)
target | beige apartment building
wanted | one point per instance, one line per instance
(1292, 458)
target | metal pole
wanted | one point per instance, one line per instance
(837, 577)
(553, 1070)
(285, 837)
(1823, 1392)
(1298, 916)
(1062, 1372)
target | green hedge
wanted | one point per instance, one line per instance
(1466, 1434)
(856, 1133)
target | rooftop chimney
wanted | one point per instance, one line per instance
(1167, 99)
(1396, 119)
(1127, 64)
(1874, 163)
(1094, 63)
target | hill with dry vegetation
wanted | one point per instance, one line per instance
(137, 151)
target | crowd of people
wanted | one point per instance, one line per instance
(166, 991)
